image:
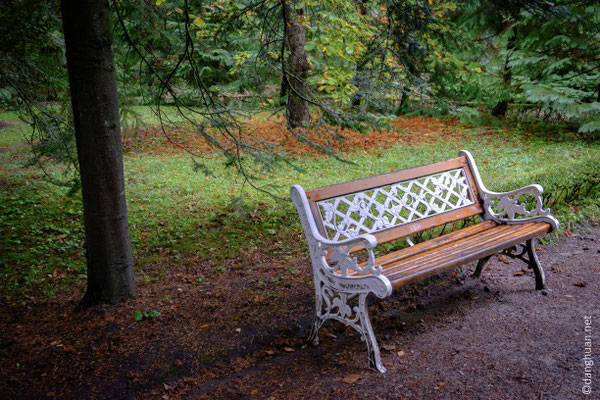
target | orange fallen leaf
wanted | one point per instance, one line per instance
(351, 378)
(580, 284)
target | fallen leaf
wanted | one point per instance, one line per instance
(270, 352)
(288, 349)
(351, 378)
(389, 347)
(580, 284)
(519, 377)
(238, 330)
(254, 392)
(401, 353)
(519, 273)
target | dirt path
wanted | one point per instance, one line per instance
(461, 338)
(455, 338)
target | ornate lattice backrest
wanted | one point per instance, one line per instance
(404, 202)
(393, 205)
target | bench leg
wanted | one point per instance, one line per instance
(529, 255)
(534, 263)
(367, 334)
(341, 306)
(313, 337)
(480, 264)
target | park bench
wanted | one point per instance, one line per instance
(339, 220)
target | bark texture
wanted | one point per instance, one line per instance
(93, 84)
(297, 68)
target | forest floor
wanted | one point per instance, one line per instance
(454, 338)
(235, 327)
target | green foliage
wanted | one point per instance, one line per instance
(140, 315)
(542, 54)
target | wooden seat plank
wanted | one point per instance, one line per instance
(448, 248)
(401, 274)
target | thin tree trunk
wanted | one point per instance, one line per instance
(501, 107)
(297, 67)
(358, 78)
(93, 84)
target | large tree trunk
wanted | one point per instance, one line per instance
(93, 84)
(297, 67)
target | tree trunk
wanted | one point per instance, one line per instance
(297, 67)
(501, 107)
(93, 85)
(358, 79)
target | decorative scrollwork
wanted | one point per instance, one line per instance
(336, 306)
(340, 260)
(393, 205)
(517, 204)
(517, 252)
(351, 310)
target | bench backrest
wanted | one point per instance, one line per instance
(397, 204)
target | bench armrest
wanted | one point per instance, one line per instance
(340, 262)
(515, 206)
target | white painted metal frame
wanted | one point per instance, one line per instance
(505, 207)
(334, 289)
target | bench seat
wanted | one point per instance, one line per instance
(454, 249)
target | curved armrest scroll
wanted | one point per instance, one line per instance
(505, 207)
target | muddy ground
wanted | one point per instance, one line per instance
(239, 335)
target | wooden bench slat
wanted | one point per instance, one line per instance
(435, 242)
(363, 184)
(422, 225)
(448, 247)
(469, 252)
(451, 263)
(500, 233)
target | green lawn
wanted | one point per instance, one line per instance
(176, 213)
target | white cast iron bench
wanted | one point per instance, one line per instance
(341, 219)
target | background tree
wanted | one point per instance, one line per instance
(93, 87)
(297, 66)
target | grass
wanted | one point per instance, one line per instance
(176, 213)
